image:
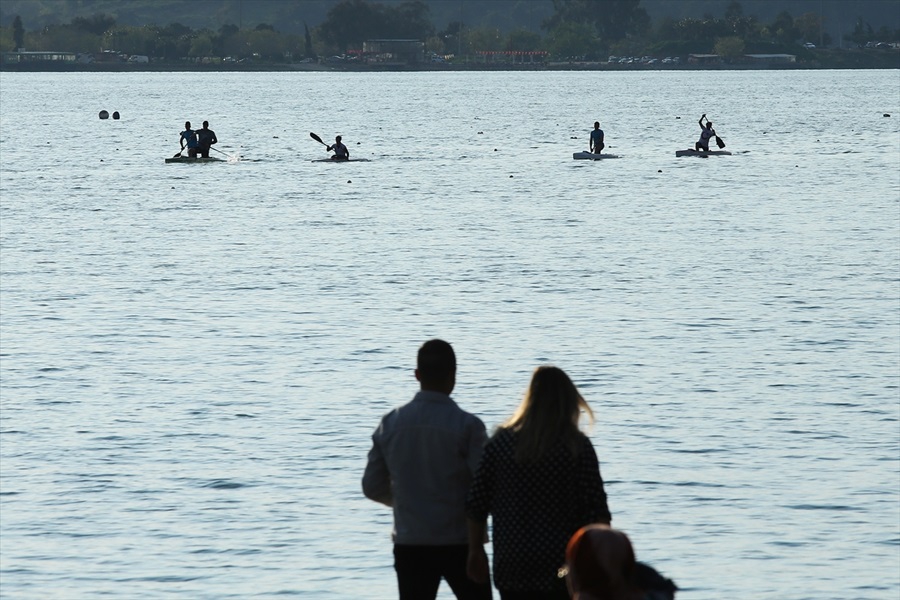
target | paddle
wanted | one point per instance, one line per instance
(219, 151)
(317, 138)
(178, 155)
(719, 142)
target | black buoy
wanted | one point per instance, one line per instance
(116, 115)
(104, 114)
(887, 114)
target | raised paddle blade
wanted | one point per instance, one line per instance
(177, 155)
(317, 138)
(719, 142)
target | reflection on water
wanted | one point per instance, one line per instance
(194, 357)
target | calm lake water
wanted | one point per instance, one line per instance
(194, 356)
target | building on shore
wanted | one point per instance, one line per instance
(21, 56)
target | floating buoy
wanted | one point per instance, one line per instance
(887, 114)
(348, 181)
(104, 114)
(116, 115)
(659, 171)
(495, 149)
(510, 177)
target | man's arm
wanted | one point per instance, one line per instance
(376, 481)
(701, 121)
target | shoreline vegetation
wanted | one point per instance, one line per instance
(830, 59)
(402, 35)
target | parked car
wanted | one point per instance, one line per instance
(809, 45)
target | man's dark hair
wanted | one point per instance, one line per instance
(436, 361)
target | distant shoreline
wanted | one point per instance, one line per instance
(829, 60)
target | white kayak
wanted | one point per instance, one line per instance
(592, 156)
(704, 153)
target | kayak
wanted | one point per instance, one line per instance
(188, 159)
(592, 156)
(704, 153)
(331, 160)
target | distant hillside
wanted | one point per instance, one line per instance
(289, 16)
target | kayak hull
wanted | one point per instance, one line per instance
(188, 159)
(332, 160)
(592, 156)
(702, 153)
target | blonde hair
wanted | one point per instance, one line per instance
(550, 411)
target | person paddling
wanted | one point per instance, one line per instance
(340, 150)
(597, 139)
(189, 138)
(206, 138)
(706, 134)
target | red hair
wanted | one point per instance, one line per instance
(601, 562)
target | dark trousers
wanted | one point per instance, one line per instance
(421, 568)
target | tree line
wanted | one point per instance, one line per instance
(584, 29)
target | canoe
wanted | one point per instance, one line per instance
(703, 153)
(188, 159)
(592, 156)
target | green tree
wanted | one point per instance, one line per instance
(132, 40)
(18, 33)
(268, 44)
(482, 39)
(809, 26)
(6, 37)
(308, 50)
(97, 24)
(201, 45)
(782, 28)
(612, 19)
(861, 33)
(435, 44)
(570, 39)
(522, 40)
(409, 20)
(351, 22)
(734, 11)
(740, 25)
(63, 38)
(729, 47)
(174, 41)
